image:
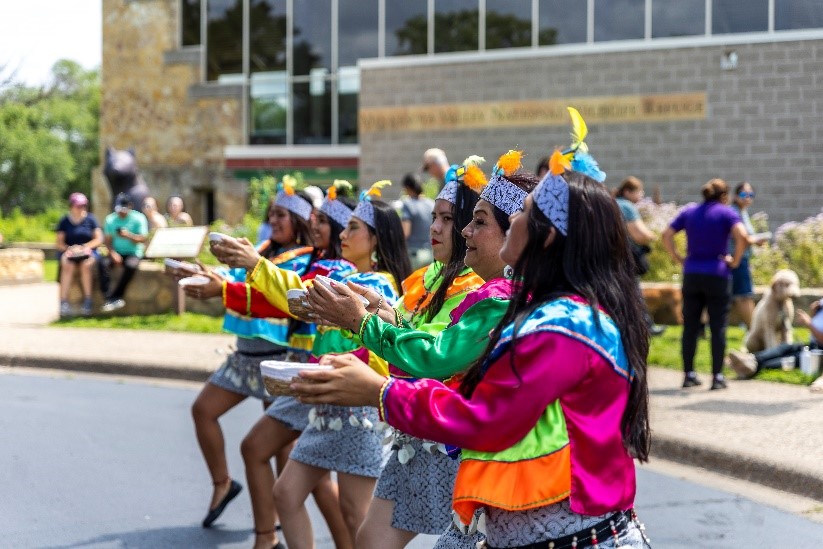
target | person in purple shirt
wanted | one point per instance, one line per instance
(707, 273)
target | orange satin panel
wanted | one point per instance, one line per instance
(512, 486)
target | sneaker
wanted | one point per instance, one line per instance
(718, 382)
(656, 329)
(691, 380)
(113, 305)
(743, 364)
(65, 309)
(85, 309)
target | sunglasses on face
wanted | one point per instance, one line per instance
(746, 194)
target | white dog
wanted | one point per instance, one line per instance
(773, 315)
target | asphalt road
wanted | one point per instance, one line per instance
(93, 462)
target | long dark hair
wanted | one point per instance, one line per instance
(594, 262)
(462, 210)
(392, 256)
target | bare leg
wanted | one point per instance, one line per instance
(66, 276)
(290, 492)
(85, 275)
(377, 531)
(266, 439)
(328, 501)
(355, 496)
(211, 403)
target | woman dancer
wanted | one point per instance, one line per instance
(286, 418)
(338, 438)
(560, 397)
(264, 333)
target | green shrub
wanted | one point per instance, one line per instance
(18, 227)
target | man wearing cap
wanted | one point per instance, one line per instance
(125, 231)
(436, 165)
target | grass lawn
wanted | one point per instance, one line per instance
(170, 322)
(665, 352)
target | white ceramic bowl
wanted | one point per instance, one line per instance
(196, 280)
(296, 293)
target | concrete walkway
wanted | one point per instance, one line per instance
(768, 433)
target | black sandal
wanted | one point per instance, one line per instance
(234, 489)
(278, 544)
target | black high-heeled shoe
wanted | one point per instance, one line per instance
(234, 489)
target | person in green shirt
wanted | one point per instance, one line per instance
(125, 232)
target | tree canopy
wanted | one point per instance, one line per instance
(49, 137)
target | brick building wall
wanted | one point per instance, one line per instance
(152, 100)
(763, 122)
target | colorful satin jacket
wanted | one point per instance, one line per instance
(543, 425)
(274, 283)
(441, 355)
(419, 289)
(249, 314)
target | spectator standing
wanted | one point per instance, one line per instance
(742, 286)
(627, 195)
(155, 218)
(176, 215)
(416, 217)
(125, 232)
(706, 273)
(78, 236)
(436, 165)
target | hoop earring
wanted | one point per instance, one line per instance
(374, 258)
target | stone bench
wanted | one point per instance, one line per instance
(20, 266)
(150, 292)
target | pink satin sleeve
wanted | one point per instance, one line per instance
(503, 407)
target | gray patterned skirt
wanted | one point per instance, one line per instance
(421, 488)
(240, 373)
(335, 442)
(290, 412)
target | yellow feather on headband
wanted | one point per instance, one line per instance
(474, 178)
(289, 183)
(375, 190)
(473, 160)
(338, 184)
(579, 130)
(509, 162)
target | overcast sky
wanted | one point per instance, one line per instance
(36, 33)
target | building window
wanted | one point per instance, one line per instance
(729, 16)
(312, 36)
(267, 35)
(678, 18)
(797, 14)
(508, 24)
(357, 31)
(407, 27)
(312, 109)
(456, 25)
(619, 20)
(190, 22)
(224, 44)
(561, 22)
(348, 90)
(269, 108)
